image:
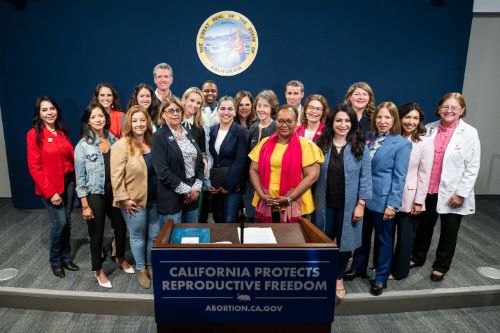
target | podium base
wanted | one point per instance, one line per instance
(243, 328)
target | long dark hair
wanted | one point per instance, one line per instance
(406, 108)
(86, 131)
(115, 105)
(354, 137)
(38, 122)
(155, 102)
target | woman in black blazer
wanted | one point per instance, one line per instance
(228, 147)
(178, 164)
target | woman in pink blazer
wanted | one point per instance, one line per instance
(415, 189)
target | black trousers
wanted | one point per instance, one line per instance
(101, 206)
(450, 224)
(404, 228)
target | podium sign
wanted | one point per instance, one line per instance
(244, 285)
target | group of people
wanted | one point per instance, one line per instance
(351, 169)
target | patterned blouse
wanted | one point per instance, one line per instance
(189, 154)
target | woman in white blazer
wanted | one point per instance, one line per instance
(451, 189)
(415, 188)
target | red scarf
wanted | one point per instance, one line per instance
(291, 175)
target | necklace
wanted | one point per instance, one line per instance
(339, 146)
(179, 134)
(53, 131)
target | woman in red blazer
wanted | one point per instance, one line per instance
(313, 117)
(107, 97)
(51, 164)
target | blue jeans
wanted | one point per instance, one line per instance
(143, 228)
(176, 217)
(190, 215)
(60, 249)
(225, 207)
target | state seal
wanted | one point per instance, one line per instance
(227, 43)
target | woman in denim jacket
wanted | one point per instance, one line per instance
(93, 187)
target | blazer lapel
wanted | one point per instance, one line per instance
(228, 136)
(386, 147)
(172, 142)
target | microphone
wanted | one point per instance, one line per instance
(243, 220)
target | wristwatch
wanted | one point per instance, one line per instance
(288, 200)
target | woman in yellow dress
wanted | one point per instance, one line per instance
(284, 167)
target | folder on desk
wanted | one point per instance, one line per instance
(178, 234)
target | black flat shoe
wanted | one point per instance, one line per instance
(70, 266)
(351, 275)
(437, 278)
(58, 271)
(377, 288)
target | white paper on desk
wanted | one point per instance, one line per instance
(257, 236)
(190, 240)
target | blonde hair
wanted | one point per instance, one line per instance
(135, 147)
(370, 107)
(198, 119)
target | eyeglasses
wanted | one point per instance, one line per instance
(451, 108)
(315, 108)
(172, 111)
(288, 123)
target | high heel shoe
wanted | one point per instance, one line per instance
(102, 284)
(129, 269)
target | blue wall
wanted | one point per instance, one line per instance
(407, 50)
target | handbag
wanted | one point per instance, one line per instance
(217, 176)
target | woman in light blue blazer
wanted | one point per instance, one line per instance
(344, 184)
(390, 154)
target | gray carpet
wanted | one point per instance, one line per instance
(24, 245)
(473, 320)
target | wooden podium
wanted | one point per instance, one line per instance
(233, 287)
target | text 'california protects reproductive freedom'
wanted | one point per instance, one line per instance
(227, 278)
